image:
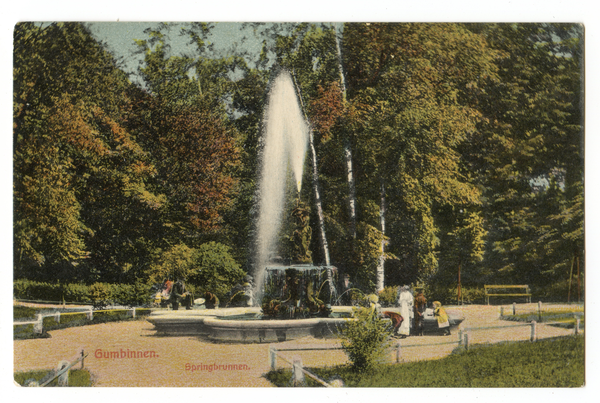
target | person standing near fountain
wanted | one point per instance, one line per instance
(442, 317)
(420, 307)
(405, 301)
(179, 294)
(211, 301)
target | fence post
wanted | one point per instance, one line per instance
(297, 374)
(501, 311)
(90, 314)
(576, 329)
(38, 326)
(133, 312)
(273, 358)
(82, 358)
(466, 337)
(63, 379)
(514, 308)
(533, 331)
(398, 354)
(460, 337)
(540, 310)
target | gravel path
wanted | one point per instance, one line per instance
(193, 361)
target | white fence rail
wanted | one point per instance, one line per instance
(464, 340)
(38, 323)
(61, 372)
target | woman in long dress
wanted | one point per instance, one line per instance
(405, 300)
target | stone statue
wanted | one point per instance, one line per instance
(302, 236)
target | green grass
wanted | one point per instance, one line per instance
(546, 363)
(24, 312)
(564, 315)
(77, 377)
(70, 319)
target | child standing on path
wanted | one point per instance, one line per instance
(442, 317)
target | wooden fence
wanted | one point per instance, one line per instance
(61, 372)
(539, 310)
(53, 320)
(298, 371)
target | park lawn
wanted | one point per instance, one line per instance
(77, 377)
(21, 312)
(545, 363)
(564, 315)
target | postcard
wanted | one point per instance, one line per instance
(298, 204)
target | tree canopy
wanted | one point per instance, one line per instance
(467, 139)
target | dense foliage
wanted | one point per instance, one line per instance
(465, 139)
(100, 294)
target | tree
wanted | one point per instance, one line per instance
(409, 85)
(184, 122)
(532, 135)
(216, 269)
(73, 159)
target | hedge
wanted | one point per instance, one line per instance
(98, 294)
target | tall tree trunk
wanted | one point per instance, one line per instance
(347, 146)
(380, 266)
(315, 181)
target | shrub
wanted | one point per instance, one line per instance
(112, 315)
(100, 294)
(72, 319)
(27, 289)
(388, 296)
(77, 293)
(143, 311)
(20, 288)
(49, 322)
(177, 262)
(216, 269)
(23, 331)
(449, 296)
(366, 339)
(24, 312)
(558, 291)
(122, 294)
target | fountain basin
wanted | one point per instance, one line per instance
(243, 325)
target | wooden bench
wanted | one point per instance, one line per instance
(520, 291)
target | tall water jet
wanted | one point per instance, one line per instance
(285, 141)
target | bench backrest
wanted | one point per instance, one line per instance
(492, 287)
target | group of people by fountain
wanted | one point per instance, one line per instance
(411, 318)
(176, 294)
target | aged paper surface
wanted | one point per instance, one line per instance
(133, 353)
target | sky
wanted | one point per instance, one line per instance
(119, 38)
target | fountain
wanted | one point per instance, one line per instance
(296, 299)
